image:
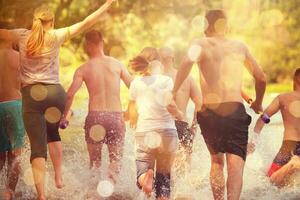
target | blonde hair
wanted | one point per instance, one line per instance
(36, 38)
(150, 54)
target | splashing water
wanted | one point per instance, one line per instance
(81, 183)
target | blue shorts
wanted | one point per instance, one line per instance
(12, 128)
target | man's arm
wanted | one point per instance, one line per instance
(133, 114)
(125, 76)
(196, 96)
(182, 74)
(273, 108)
(76, 84)
(270, 111)
(6, 34)
(260, 80)
(173, 110)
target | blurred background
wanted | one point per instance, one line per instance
(271, 29)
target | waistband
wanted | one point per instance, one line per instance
(223, 106)
(97, 113)
(12, 102)
(44, 84)
(291, 142)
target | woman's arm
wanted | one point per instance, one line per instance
(89, 21)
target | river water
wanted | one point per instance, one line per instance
(81, 183)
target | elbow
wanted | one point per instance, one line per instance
(70, 96)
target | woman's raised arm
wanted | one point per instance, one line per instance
(89, 21)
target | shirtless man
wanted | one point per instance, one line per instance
(104, 123)
(223, 119)
(187, 91)
(287, 161)
(11, 122)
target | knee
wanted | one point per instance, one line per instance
(217, 163)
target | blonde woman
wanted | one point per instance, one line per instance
(43, 96)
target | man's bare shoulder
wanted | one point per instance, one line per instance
(205, 41)
(238, 44)
(116, 62)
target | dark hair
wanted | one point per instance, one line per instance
(139, 64)
(212, 16)
(94, 37)
(297, 76)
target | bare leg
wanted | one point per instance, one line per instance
(95, 154)
(13, 172)
(146, 181)
(279, 176)
(38, 170)
(217, 180)
(235, 166)
(115, 156)
(55, 151)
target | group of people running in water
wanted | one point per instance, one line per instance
(158, 99)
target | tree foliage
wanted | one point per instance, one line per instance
(269, 27)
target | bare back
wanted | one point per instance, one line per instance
(290, 110)
(102, 78)
(221, 67)
(9, 76)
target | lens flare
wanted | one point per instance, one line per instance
(294, 108)
(152, 140)
(156, 67)
(271, 18)
(199, 23)
(52, 115)
(38, 92)
(194, 52)
(97, 133)
(105, 188)
(220, 26)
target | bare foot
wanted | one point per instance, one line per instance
(8, 195)
(148, 182)
(42, 198)
(59, 182)
(296, 162)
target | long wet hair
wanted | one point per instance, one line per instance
(42, 15)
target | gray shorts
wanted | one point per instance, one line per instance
(161, 151)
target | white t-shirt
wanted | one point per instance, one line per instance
(43, 68)
(152, 95)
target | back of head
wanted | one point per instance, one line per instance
(42, 16)
(217, 22)
(94, 37)
(150, 54)
(166, 53)
(297, 79)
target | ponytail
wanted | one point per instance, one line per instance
(139, 64)
(36, 38)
